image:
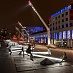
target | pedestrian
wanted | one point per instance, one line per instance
(28, 51)
(64, 57)
(22, 50)
(9, 46)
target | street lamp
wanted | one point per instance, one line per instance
(23, 29)
(19, 31)
(48, 30)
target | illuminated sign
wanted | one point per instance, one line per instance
(62, 10)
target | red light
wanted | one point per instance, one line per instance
(29, 2)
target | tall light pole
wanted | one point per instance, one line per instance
(48, 30)
(23, 29)
(19, 31)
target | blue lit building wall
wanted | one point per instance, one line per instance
(41, 38)
(62, 10)
(34, 29)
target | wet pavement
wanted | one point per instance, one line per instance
(18, 64)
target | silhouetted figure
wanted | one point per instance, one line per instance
(29, 52)
(8, 46)
(64, 57)
(22, 51)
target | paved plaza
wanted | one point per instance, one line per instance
(18, 64)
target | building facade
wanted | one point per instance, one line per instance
(61, 27)
(40, 37)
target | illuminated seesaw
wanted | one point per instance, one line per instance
(36, 54)
(40, 55)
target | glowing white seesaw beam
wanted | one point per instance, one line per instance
(36, 54)
(52, 58)
(39, 52)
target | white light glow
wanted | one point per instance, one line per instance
(52, 58)
(41, 56)
(20, 24)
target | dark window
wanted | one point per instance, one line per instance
(53, 28)
(50, 20)
(62, 20)
(59, 27)
(53, 23)
(50, 29)
(56, 18)
(71, 24)
(50, 24)
(58, 21)
(62, 26)
(66, 19)
(56, 27)
(66, 25)
(66, 13)
(59, 16)
(62, 15)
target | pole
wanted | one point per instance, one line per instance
(23, 29)
(48, 30)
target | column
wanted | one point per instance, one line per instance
(62, 38)
(71, 38)
(67, 39)
(53, 38)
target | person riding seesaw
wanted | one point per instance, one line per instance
(63, 57)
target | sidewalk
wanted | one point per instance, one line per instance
(17, 64)
(25, 65)
(6, 62)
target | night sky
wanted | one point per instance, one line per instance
(12, 11)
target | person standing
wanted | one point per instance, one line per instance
(29, 51)
(64, 57)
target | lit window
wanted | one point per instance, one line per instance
(56, 34)
(51, 36)
(72, 34)
(68, 34)
(64, 34)
(60, 35)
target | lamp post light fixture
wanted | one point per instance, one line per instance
(19, 31)
(23, 29)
